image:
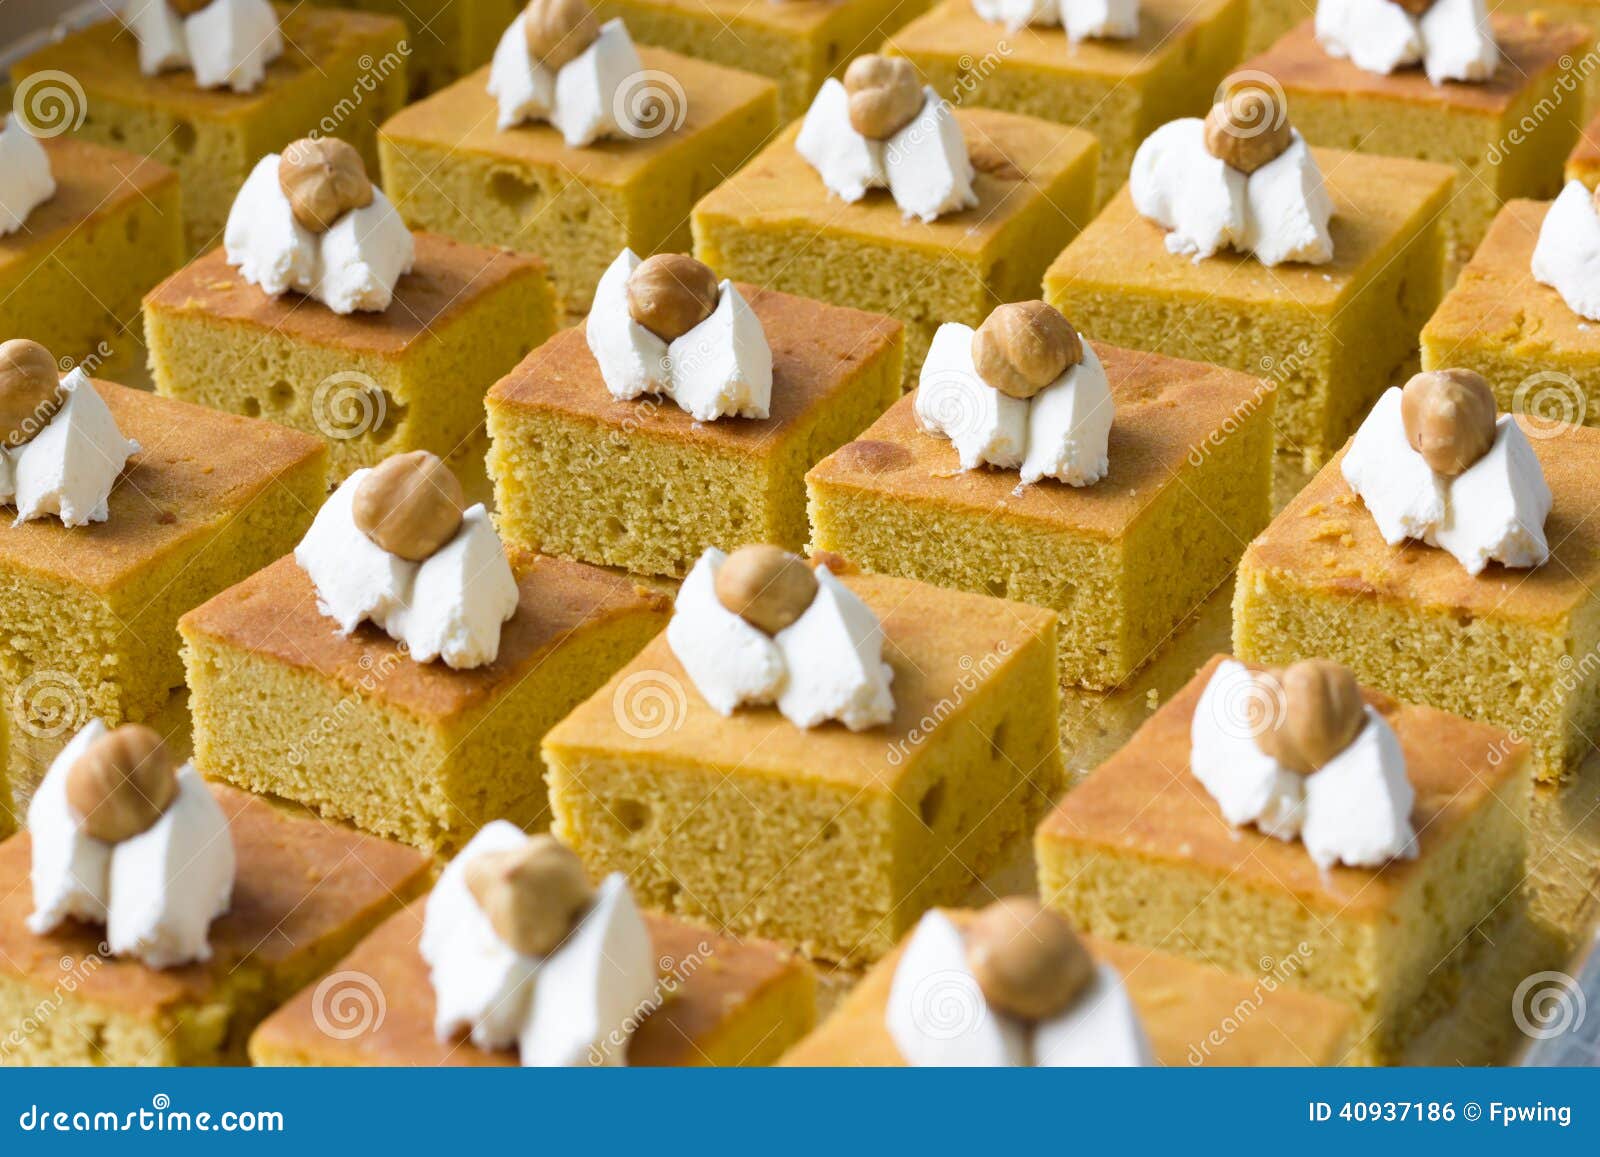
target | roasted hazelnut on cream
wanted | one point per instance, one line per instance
(323, 178)
(884, 93)
(122, 783)
(1022, 347)
(671, 293)
(559, 31)
(767, 587)
(533, 896)
(1449, 418)
(30, 391)
(1028, 961)
(1312, 710)
(1247, 127)
(410, 505)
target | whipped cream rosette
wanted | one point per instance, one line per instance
(397, 546)
(1080, 19)
(1298, 754)
(1433, 463)
(26, 181)
(759, 626)
(1023, 392)
(60, 449)
(124, 836)
(881, 128)
(523, 953)
(1567, 254)
(225, 43)
(667, 326)
(1240, 179)
(309, 221)
(557, 63)
(1015, 987)
(1451, 38)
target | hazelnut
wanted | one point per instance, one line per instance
(671, 293)
(324, 178)
(1318, 713)
(767, 587)
(885, 95)
(30, 390)
(188, 7)
(1022, 347)
(1415, 7)
(1248, 127)
(1027, 959)
(122, 783)
(1449, 418)
(558, 31)
(533, 895)
(410, 504)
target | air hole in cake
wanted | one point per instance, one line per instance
(280, 394)
(996, 587)
(252, 407)
(183, 138)
(615, 529)
(132, 228)
(394, 415)
(830, 831)
(512, 191)
(997, 740)
(931, 804)
(631, 815)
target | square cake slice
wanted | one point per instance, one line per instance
(305, 893)
(1122, 561)
(353, 728)
(1140, 852)
(831, 840)
(641, 484)
(722, 1003)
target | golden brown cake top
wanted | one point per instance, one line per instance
(953, 29)
(104, 59)
(1168, 410)
(448, 278)
(1375, 201)
(706, 980)
(92, 183)
(817, 351)
(196, 468)
(1145, 802)
(462, 118)
(1190, 1013)
(1015, 157)
(946, 648)
(300, 880)
(1584, 162)
(1326, 541)
(274, 613)
(1529, 49)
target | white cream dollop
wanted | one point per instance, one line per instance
(720, 368)
(157, 892)
(827, 664)
(352, 267)
(1354, 810)
(450, 606)
(1453, 38)
(585, 99)
(1494, 511)
(26, 181)
(924, 166)
(70, 466)
(1062, 432)
(938, 1017)
(1567, 254)
(227, 44)
(579, 1005)
(1279, 213)
(1082, 19)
